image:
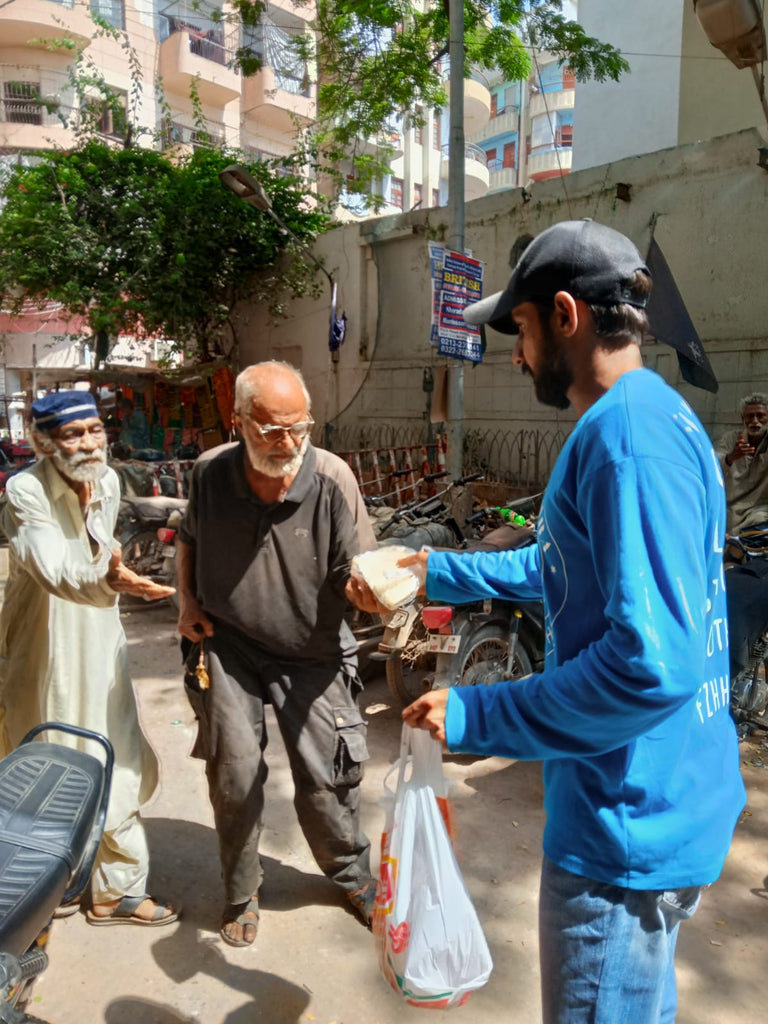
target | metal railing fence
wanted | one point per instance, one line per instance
(520, 458)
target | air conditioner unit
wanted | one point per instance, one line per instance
(735, 27)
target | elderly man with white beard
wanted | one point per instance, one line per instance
(263, 558)
(63, 652)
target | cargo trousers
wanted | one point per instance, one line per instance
(325, 739)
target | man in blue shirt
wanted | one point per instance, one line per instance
(630, 715)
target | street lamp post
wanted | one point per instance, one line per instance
(456, 157)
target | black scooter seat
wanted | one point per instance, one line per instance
(49, 800)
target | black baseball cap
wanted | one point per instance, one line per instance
(589, 260)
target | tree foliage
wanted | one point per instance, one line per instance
(380, 58)
(137, 244)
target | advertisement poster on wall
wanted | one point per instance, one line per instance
(457, 281)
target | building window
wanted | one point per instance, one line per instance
(109, 118)
(508, 160)
(396, 195)
(21, 103)
(510, 98)
(569, 78)
(436, 131)
(564, 136)
(494, 104)
(435, 197)
(112, 11)
(491, 160)
(417, 197)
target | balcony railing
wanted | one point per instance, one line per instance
(198, 137)
(471, 152)
(508, 108)
(206, 43)
(33, 112)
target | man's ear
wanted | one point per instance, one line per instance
(42, 443)
(567, 313)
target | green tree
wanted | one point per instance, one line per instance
(137, 244)
(378, 59)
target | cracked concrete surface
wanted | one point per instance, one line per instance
(313, 961)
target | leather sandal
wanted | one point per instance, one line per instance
(124, 913)
(244, 914)
(364, 900)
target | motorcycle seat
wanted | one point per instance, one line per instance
(49, 800)
(154, 509)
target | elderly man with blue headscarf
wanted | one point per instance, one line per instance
(63, 652)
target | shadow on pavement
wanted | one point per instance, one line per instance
(273, 999)
(184, 860)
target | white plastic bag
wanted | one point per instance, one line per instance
(430, 944)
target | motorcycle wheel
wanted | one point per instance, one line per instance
(143, 552)
(409, 672)
(482, 657)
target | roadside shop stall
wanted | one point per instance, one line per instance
(187, 411)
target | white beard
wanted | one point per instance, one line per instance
(81, 467)
(274, 467)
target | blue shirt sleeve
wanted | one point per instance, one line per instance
(459, 577)
(650, 584)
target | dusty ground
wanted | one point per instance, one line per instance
(313, 961)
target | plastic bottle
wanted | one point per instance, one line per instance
(509, 516)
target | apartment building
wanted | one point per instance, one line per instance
(680, 89)
(181, 48)
(177, 50)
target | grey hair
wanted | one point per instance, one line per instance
(249, 386)
(41, 441)
(756, 398)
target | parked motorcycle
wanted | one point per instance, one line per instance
(146, 529)
(429, 646)
(470, 644)
(415, 524)
(53, 805)
(746, 583)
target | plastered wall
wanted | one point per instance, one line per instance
(706, 203)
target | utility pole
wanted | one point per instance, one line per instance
(456, 157)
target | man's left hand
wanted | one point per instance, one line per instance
(361, 596)
(125, 581)
(428, 712)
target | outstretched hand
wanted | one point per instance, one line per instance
(125, 581)
(428, 712)
(361, 596)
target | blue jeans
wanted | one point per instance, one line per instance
(607, 953)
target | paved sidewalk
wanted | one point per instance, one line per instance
(313, 962)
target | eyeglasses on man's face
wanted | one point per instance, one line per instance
(271, 434)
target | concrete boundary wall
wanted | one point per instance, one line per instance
(708, 204)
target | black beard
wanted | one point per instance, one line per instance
(555, 376)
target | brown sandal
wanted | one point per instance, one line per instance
(124, 913)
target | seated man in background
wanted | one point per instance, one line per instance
(134, 433)
(743, 454)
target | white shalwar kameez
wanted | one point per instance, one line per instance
(63, 652)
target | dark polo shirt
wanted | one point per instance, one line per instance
(276, 572)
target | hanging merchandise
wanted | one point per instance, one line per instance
(208, 420)
(224, 390)
(430, 944)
